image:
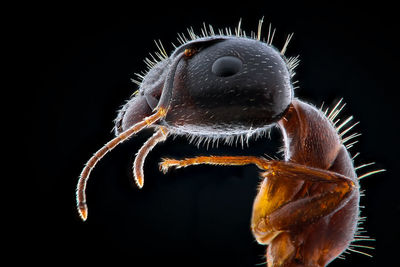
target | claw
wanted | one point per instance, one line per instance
(166, 164)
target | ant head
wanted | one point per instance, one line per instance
(215, 86)
(229, 85)
(221, 85)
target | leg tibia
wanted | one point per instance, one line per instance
(261, 163)
(290, 195)
(291, 199)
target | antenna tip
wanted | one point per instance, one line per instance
(139, 183)
(83, 211)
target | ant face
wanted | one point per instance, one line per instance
(225, 86)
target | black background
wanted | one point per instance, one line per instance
(79, 62)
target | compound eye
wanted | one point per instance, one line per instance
(226, 66)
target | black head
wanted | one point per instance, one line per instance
(219, 86)
(225, 85)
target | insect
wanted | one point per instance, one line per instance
(229, 86)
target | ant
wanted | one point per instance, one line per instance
(226, 86)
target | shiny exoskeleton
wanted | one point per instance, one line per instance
(222, 87)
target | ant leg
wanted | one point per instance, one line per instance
(279, 204)
(159, 136)
(292, 195)
(318, 203)
(261, 163)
